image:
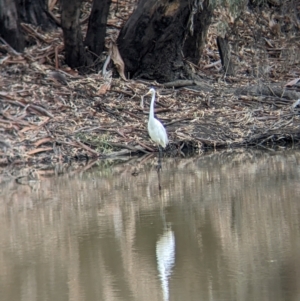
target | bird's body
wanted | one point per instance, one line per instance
(156, 130)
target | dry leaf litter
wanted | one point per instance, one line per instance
(49, 115)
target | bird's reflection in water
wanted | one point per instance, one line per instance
(158, 175)
(165, 256)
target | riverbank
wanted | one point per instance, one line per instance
(49, 113)
(46, 121)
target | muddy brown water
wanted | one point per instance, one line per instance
(224, 226)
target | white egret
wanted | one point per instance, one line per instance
(156, 130)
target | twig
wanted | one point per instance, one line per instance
(119, 153)
(56, 57)
(30, 30)
(179, 83)
(88, 148)
(133, 115)
(13, 121)
(130, 147)
(212, 64)
(122, 91)
(10, 48)
(178, 120)
(14, 102)
(145, 146)
(28, 106)
(39, 150)
(41, 110)
(78, 144)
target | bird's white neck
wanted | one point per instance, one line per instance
(151, 113)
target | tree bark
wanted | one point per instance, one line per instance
(224, 51)
(199, 22)
(36, 12)
(95, 37)
(10, 29)
(151, 42)
(75, 54)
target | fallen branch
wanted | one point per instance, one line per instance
(268, 90)
(41, 110)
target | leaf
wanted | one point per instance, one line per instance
(103, 89)
(269, 43)
(107, 82)
(114, 53)
(42, 141)
(292, 82)
(38, 150)
(28, 128)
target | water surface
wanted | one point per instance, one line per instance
(224, 226)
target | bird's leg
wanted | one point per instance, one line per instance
(159, 158)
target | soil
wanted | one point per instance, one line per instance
(50, 113)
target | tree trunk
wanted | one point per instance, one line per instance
(151, 42)
(36, 12)
(75, 54)
(95, 37)
(199, 22)
(224, 50)
(10, 29)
